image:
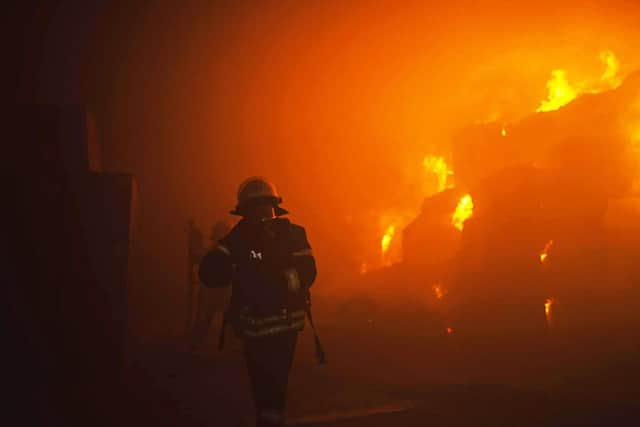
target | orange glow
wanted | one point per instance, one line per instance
(463, 212)
(439, 291)
(610, 75)
(386, 238)
(364, 268)
(439, 167)
(449, 331)
(503, 132)
(544, 255)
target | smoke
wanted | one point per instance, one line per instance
(337, 104)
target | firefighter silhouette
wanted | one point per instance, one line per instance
(268, 263)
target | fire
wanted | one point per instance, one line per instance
(544, 255)
(439, 167)
(439, 291)
(561, 92)
(449, 331)
(386, 238)
(548, 304)
(463, 211)
(503, 132)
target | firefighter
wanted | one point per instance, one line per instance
(270, 266)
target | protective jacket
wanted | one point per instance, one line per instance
(270, 267)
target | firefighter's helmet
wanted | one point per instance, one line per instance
(257, 190)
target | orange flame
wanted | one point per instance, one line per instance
(439, 167)
(548, 304)
(503, 132)
(386, 238)
(561, 92)
(544, 255)
(463, 212)
(449, 330)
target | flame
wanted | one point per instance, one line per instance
(561, 92)
(439, 167)
(386, 238)
(503, 132)
(463, 211)
(548, 304)
(544, 255)
(449, 330)
(439, 291)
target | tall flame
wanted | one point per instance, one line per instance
(386, 238)
(439, 167)
(463, 211)
(544, 255)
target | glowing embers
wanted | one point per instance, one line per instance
(463, 212)
(439, 291)
(561, 92)
(548, 310)
(438, 166)
(544, 255)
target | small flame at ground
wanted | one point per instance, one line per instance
(544, 255)
(449, 331)
(386, 238)
(548, 304)
(439, 291)
(439, 167)
(463, 212)
(503, 132)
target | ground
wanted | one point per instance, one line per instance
(383, 375)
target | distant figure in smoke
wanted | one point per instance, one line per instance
(269, 263)
(210, 300)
